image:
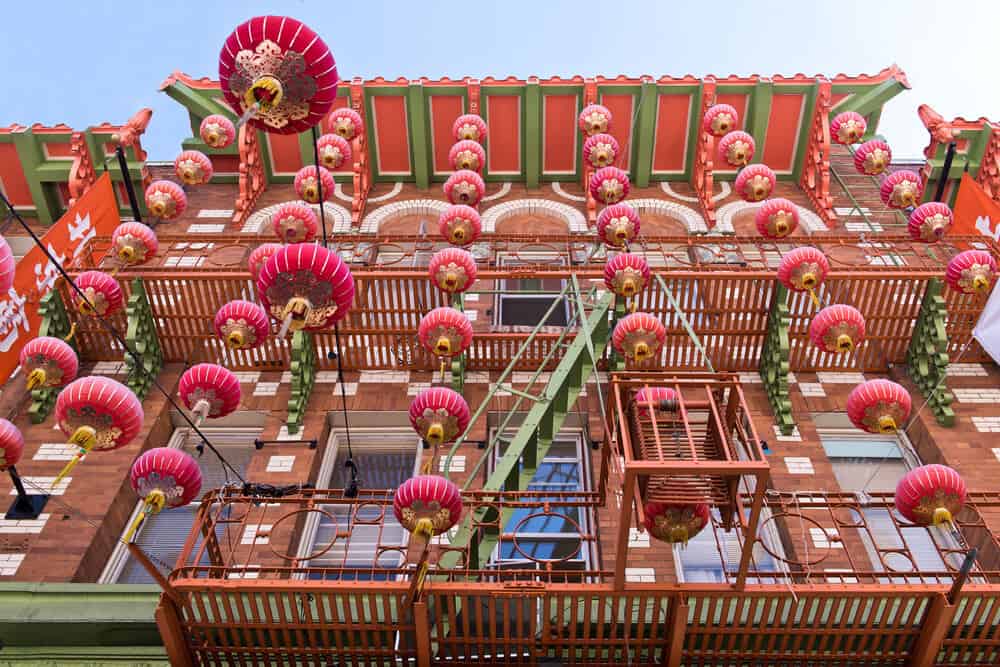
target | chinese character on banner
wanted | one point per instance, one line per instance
(975, 211)
(94, 214)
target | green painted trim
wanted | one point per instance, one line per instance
(799, 156)
(420, 148)
(643, 135)
(532, 133)
(85, 656)
(141, 338)
(303, 371)
(774, 360)
(30, 155)
(758, 115)
(198, 105)
(927, 357)
(976, 149)
(735, 88)
(872, 98)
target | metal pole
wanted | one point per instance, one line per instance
(319, 182)
(123, 165)
(24, 506)
(963, 573)
(945, 172)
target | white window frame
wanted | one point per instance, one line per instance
(180, 437)
(526, 258)
(372, 439)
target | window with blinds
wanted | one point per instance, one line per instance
(711, 553)
(524, 301)
(385, 466)
(872, 464)
(162, 535)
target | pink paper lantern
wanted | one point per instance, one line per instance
(639, 336)
(170, 475)
(626, 274)
(777, 218)
(609, 185)
(11, 445)
(803, 269)
(108, 408)
(755, 183)
(259, 255)
(427, 505)
(334, 150)
(134, 243)
(217, 131)
(439, 415)
(460, 224)
(720, 119)
(878, 406)
(467, 154)
(618, 225)
(445, 332)
(209, 390)
(7, 266)
(345, 122)
(837, 328)
(848, 127)
(165, 200)
(469, 127)
(193, 168)
(242, 324)
(104, 294)
(600, 150)
(872, 157)
(901, 189)
(594, 119)
(464, 187)
(675, 523)
(931, 495)
(930, 221)
(736, 149)
(295, 222)
(306, 284)
(649, 398)
(972, 272)
(453, 270)
(307, 187)
(48, 362)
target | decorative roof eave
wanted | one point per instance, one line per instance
(978, 150)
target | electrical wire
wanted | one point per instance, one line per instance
(136, 358)
(319, 184)
(351, 491)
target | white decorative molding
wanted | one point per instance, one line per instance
(808, 220)
(335, 213)
(502, 192)
(557, 188)
(691, 218)
(374, 220)
(397, 187)
(724, 190)
(573, 218)
(338, 192)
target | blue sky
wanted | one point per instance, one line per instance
(97, 61)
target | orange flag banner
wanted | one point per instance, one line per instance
(975, 212)
(95, 214)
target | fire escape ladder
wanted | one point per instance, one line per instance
(517, 466)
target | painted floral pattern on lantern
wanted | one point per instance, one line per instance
(609, 185)
(302, 283)
(638, 336)
(165, 200)
(308, 188)
(848, 127)
(242, 324)
(103, 294)
(618, 224)
(878, 406)
(720, 120)
(901, 189)
(107, 406)
(469, 127)
(464, 187)
(626, 274)
(675, 522)
(971, 271)
(755, 183)
(594, 119)
(333, 150)
(217, 131)
(737, 149)
(193, 168)
(345, 123)
(453, 270)
(445, 332)
(428, 497)
(803, 269)
(600, 150)
(169, 471)
(275, 80)
(931, 495)
(53, 357)
(295, 222)
(837, 328)
(134, 242)
(311, 273)
(872, 157)
(776, 218)
(467, 154)
(929, 222)
(460, 224)
(441, 409)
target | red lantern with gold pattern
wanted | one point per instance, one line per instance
(594, 119)
(901, 189)
(439, 415)
(848, 127)
(626, 274)
(209, 391)
(242, 324)
(755, 183)
(872, 157)
(11, 444)
(467, 154)
(930, 221)
(453, 270)
(736, 149)
(97, 413)
(638, 336)
(971, 272)
(193, 168)
(931, 495)
(651, 398)
(104, 294)
(464, 187)
(306, 286)
(134, 243)
(469, 127)
(165, 200)
(777, 218)
(308, 188)
(837, 328)
(445, 332)
(279, 73)
(334, 151)
(878, 406)
(345, 122)
(600, 150)
(295, 222)
(8, 266)
(163, 477)
(48, 362)
(217, 131)
(460, 224)
(618, 225)
(720, 119)
(675, 523)
(259, 255)
(804, 270)
(609, 185)
(427, 505)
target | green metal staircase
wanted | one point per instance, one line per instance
(519, 462)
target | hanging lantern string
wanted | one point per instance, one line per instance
(352, 490)
(136, 358)
(319, 183)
